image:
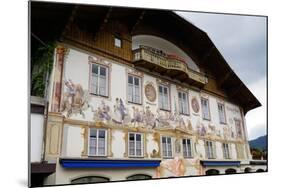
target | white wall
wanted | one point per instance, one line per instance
(77, 69)
(36, 134)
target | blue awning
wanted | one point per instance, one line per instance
(219, 163)
(104, 163)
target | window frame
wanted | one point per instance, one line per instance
(97, 146)
(140, 88)
(223, 108)
(91, 80)
(166, 146)
(187, 102)
(213, 149)
(228, 156)
(191, 148)
(169, 97)
(135, 148)
(209, 112)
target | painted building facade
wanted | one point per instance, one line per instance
(128, 101)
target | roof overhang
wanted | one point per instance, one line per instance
(192, 40)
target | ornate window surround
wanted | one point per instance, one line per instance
(219, 102)
(100, 61)
(208, 101)
(140, 75)
(168, 85)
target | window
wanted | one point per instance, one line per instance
(117, 42)
(139, 177)
(89, 179)
(97, 142)
(221, 113)
(183, 103)
(187, 149)
(167, 147)
(134, 89)
(210, 149)
(205, 109)
(226, 151)
(164, 97)
(99, 80)
(135, 145)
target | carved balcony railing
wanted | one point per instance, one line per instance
(169, 65)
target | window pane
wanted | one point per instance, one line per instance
(131, 137)
(95, 69)
(160, 89)
(138, 137)
(93, 133)
(163, 139)
(101, 133)
(102, 71)
(136, 81)
(130, 79)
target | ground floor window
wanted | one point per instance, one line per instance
(139, 177)
(230, 171)
(212, 172)
(90, 179)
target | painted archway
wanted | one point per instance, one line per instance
(164, 45)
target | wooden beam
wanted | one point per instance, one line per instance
(105, 20)
(205, 57)
(69, 22)
(234, 90)
(137, 21)
(222, 81)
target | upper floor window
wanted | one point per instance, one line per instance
(117, 42)
(183, 103)
(97, 142)
(134, 89)
(205, 109)
(187, 149)
(167, 147)
(99, 80)
(226, 150)
(164, 97)
(135, 144)
(221, 113)
(210, 149)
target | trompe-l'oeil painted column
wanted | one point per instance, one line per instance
(57, 78)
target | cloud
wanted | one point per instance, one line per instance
(242, 42)
(240, 39)
(256, 118)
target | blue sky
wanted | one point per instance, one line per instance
(242, 42)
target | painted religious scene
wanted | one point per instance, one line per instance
(127, 99)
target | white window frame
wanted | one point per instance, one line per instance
(134, 92)
(226, 151)
(135, 145)
(98, 77)
(186, 147)
(162, 95)
(166, 146)
(210, 149)
(208, 109)
(181, 102)
(97, 142)
(223, 113)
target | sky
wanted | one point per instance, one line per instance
(242, 42)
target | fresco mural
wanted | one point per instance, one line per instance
(75, 99)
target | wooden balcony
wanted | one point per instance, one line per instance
(170, 65)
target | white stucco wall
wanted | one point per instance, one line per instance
(36, 136)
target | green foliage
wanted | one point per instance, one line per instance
(41, 65)
(258, 153)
